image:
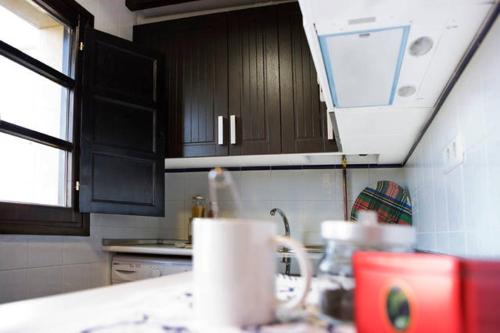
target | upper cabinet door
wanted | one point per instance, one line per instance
(254, 100)
(195, 54)
(303, 116)
(122, 151)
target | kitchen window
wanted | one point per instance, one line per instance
(40, 89)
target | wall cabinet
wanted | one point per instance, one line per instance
(239, 83)
(195, 76)
(303, 116)
(254, 87)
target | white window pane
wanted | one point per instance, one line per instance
(27, 27)
(32, 173)
(30, 100)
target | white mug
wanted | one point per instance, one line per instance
(234, 272)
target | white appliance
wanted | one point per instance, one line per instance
(382, 64)
(127, 268)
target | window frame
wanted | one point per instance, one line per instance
(33, 219)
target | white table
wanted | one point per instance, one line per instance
(154, 305)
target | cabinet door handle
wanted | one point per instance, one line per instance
(220, 130)
(329, 126)
(232, 128)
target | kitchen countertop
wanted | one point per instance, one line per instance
(167, 250)
(171, 248)
(155, 305)
(168, 247)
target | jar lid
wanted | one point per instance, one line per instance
(369, 234)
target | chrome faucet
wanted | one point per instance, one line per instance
(285, 260)
(285, 219)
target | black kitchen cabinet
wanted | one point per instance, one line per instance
(195, 56)
(254, 87)
(239, 83)
(303, 116)
(122, 142)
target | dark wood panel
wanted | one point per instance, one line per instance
(303, 116)
(122, 147)
(123, 125)
(254, 81)
(112, 182)
(145, 4)
(195, 52)
(124, 72)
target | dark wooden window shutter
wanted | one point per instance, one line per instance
(122, 144)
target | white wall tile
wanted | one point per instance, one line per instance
(357, 180)
(13, 285)
(196, 183)
(393, 174)
(13, 252)
(321, 185)
(455, 199)
(307, 197)
(286, 185)
(78, 250)
(426, 241)
(458, 244)
(45, 251)
(464, 209)
(175, 186)
(76, 277)
(442, 242)
(254, 185)
(45, 281)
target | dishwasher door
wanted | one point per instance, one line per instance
(133, 268)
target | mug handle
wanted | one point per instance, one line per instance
(305, 271)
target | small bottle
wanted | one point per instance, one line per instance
(197, 210)
(335, 272)
(210, 211)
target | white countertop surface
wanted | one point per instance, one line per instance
(171, 250)
(150, 249)
(155, 305)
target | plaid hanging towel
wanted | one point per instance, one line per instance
(390, 201)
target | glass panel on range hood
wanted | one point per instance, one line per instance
(363, 66)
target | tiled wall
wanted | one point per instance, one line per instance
(34, 266)
(306, 196)
(457, 212)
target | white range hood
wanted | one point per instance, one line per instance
(382, 64)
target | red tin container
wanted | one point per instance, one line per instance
(407, 292)
(481, 293)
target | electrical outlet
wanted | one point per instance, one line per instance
(453, 154)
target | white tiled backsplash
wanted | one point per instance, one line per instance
(33, 266)
(307, 197)
(458, 212)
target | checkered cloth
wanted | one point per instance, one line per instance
(390, 201)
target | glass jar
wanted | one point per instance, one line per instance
(198, 208)
(335, 272)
